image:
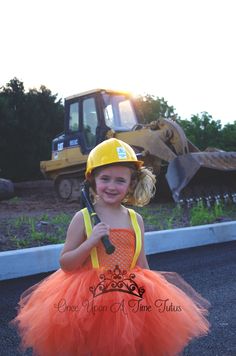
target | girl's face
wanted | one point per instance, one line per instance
(112, 184)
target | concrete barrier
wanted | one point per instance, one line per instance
(29, 261)
(169, 240)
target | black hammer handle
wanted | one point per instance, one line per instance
(95, 219)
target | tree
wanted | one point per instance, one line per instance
(202, 130)
(28, 123)
(228, 140)
(151, 108)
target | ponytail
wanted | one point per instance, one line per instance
(143, 187)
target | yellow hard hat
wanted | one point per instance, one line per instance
(109, 152)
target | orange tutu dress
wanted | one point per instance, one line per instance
(111, 310)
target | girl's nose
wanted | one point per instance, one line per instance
(111, 185)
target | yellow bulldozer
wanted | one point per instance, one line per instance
(183, 171)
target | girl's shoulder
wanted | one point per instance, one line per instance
(78, 215)
(136, 215)
(134, 212)
(139, 218)
(77, 219)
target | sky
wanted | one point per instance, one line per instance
(182, 50)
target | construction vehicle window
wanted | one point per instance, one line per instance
(127, 116)
(109, 119)
(90, 121)
(74, 117)
(118, 112)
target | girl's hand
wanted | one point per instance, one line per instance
(77, 248)
(99, 231)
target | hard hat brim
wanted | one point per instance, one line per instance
(137, 164)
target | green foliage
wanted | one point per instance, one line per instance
(28, 123)
(228, 138)
(151, 108)
(162, 217)
(165, 217)
(202, 130)
(201, 215)
(37, 231)
(28, 231)
(205, 132)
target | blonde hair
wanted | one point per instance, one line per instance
(142, 186)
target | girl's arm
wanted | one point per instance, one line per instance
(142, 260)
(76, 249)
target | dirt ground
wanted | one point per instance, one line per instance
(35, 198)
(38, 198)
(32, 200)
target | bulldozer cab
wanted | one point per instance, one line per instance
(89, 117)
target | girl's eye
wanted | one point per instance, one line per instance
(121, 180)
(104, 179)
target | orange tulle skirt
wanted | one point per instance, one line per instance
(99, 313)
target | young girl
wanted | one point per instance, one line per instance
(103, 304)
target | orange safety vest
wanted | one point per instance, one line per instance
(136, 227)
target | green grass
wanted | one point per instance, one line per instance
(14, 200)
(167, 216)
(201, 215)
(163, 217)
(28, 231)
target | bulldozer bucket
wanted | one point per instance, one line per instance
(203, 175)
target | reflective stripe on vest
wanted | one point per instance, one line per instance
(138, 236)
(88, 229)
(136, 227)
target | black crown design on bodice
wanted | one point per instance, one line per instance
(117, 281)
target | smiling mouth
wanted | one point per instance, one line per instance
(111, 194)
